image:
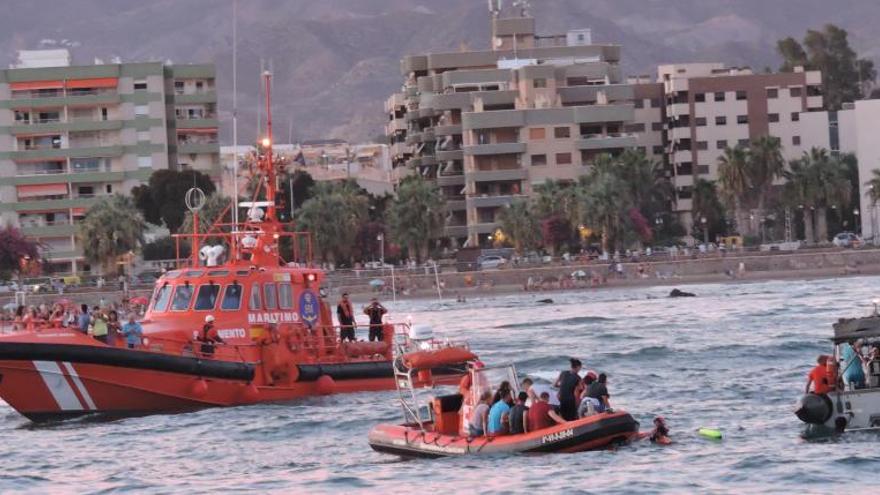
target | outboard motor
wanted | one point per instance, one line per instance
(814, 409)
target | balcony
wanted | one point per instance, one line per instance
(599, 141)
(483, 228)
(450, 180)
(196, 123)
(497, 175)
(72, 126)
(198, 148)
(494, 149)
(490, 201)
(495, 119)
(196, 98)
(447, 155)
(396, 125)
(447, 130)
(82, 100)
(455, 204)
(49, 229)
(603, 113)
(455, 231)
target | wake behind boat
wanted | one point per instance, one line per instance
(239, 325)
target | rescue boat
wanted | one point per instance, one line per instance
(266, 300)
(842, 404)
(441, 428)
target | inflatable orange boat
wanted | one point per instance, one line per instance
(442, 432)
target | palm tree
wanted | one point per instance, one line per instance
(834, 188)
(605, 202)
(800, 192)
(417, 215)
(648, 187)
(333, 215)
(111, 228)
(766, 164)
(705, 204)
(518, 222)
(733, 178)
(556, 199)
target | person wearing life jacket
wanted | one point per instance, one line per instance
(819, 378)
(209, 336)
(345, 314)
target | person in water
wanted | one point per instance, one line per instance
(345, 314)
(851, 355)
(209, 336)
(499, 414)
(375, 311)
(519, 415)
(478, 422)
(569, 385)
(819, 378)
(660, 433)
(541, 415)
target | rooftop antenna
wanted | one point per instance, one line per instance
(523, 6)
(495, 7)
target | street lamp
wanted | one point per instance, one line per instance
(703, 221)
(381, 239)
(858, 224)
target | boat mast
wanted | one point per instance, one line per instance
(269, 165)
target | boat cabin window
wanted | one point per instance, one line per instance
(243, 273)
(171, 275)
(207, 298)
(163, 295)
(194, 273)
(218, 273)
(255, 303)
(271, 296)
(231, 298)
(182, 297)
(285, 296)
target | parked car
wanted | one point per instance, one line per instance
(847, 240)
(491, 262)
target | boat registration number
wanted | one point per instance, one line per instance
(559, 435)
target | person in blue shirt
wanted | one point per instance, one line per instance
(852, 359)
(133, 332)
(499, 414)
(85, 319)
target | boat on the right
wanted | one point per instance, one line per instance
(843, 389)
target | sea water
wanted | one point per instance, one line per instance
(735, 358)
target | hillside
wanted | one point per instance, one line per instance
(335, 61)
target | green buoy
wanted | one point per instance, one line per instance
(711, 433)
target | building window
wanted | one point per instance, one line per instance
(772, 93)
(700, 97)
(639, 103)
(701, 121)
(656, 126)
(140, 85)
(178, 87)
(743, 142)
(145, 162)
(702, 169)
(655, 102)
(539, 160)
(563, 158)
(795, 92)
(796, 140)
(536, 133)
(561, 132)
(143, 135)
(721, 120)
(719, 96)
(702, 145)
(632, 128)
(795, 116)
(109, 188)
(773, 117)
(658, 149)
(539, 82)
(741, 95)
(141, 110)
(742, 119)
(721, 144)
(104, 113)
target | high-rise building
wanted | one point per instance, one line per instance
(71, 135)
(710, 107)
(490, 125)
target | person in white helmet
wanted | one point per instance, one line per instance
(209, 336)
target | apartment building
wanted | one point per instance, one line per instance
(488, 126)
(70, 135)
(709, 107)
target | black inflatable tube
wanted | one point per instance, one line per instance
(353, 371)
(125, 358)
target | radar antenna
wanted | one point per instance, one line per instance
(495, 7)
(523, 6)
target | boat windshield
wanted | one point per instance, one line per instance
(162, 297)
(182, 297)
(491, 378)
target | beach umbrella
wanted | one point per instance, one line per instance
(377, 282)
(578, 274)
(139, 300)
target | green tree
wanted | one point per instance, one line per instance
(800, 192)
(833, 191)
(15, 248)
(706, 204)
(111, 228)
(648, 187)
(555, 199)
(733, 181)
(765, 165)
(416, 216)
(163, 198)
(333, 215)
(519, 223)
(606, 201)
(828, 51)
